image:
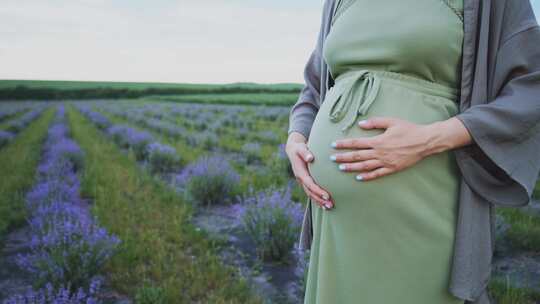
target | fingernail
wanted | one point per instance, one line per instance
(332, 157)
(359, 177)
(361, 122)
(328, 205)
(341, 167)
(325, 197)
(324, 207)
(309, 157)
(333, 144)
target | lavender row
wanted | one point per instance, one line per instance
(138, 116)
(17, 125)
(204, 139)
(159, 157)
(67, 247)
(11, 110)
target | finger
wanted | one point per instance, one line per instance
(320, 202)
(355, 143)
(305, 154)
(316, 189)
(367, 165)
(354, 156)
(377, 123)
(374, 174)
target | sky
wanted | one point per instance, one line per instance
(196, 41)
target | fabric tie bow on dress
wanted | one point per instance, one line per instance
(341, 97)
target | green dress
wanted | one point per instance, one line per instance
(388, 240)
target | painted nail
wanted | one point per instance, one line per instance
(359, 177)
(309, 157)
(328, 205)
(361, 122)
(325, 197)
(341, 167)
(333, 144)
(332, 157)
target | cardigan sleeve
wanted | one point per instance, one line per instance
(507, 129)
(303, 112)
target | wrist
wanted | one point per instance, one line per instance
(439, 138)
(297, 137)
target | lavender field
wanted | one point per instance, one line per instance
(145, 201)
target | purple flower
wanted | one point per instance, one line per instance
(5, 138)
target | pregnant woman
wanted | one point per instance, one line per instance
(391, 236)
(387, 238)
(385, 235)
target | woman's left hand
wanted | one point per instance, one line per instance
(401, 145)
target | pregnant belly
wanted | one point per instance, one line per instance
(393, 100)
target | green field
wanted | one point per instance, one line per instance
(51, 90)
(283, 99)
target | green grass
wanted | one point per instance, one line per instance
(536, 191)
(524, 230)
(19, 160)
(505, 294)
(161, 250)
(271, 99)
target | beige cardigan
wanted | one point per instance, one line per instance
(500, 107)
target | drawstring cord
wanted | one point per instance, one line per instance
(368, 92)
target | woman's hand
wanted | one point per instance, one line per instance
(402, 145)
(299, 155)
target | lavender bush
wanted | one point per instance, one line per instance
(272, 220)
(119, 134)
(210, 180)
(96, 118)
(129, 138)
(138, 142)
(5, 138)
(162, 158)
(252, 152)
(205, 140)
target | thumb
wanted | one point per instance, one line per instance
(305, 154)
(376, 123)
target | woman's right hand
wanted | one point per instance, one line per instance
(299, 155)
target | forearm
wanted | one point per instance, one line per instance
(446, 135)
